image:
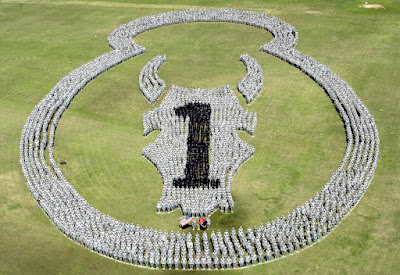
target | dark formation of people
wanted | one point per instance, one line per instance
(198, 144)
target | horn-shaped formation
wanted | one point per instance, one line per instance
(301, 227)
(151, 85)
(253, 81)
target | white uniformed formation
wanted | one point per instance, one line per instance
(253, 81)
(227, 151)
(302, 227)
(151, 85)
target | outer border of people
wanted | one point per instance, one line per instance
(302, 227)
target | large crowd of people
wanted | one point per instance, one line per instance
(300, 228)
(197, 147)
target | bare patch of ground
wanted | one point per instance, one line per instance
(314, 12)
(372, 6)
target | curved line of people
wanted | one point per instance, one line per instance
(253, 81)
(151, 85)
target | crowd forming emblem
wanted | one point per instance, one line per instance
(197, 147)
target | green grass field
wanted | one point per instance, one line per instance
(299, 138)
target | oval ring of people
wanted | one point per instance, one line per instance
(298, 229)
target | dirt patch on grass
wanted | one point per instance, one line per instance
(314, 12)
(373, 6)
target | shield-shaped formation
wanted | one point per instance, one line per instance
(198, 150)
